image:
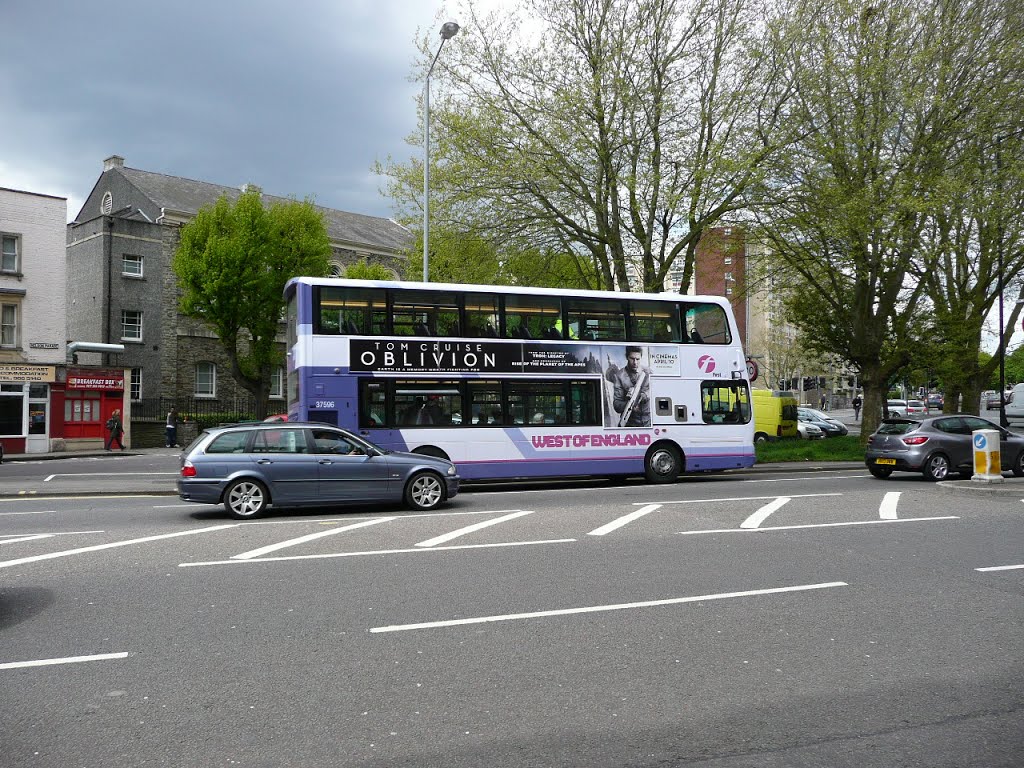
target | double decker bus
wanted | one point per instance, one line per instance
(511, 382)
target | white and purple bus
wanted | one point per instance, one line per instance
(512, 382)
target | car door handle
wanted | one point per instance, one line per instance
(325, 461)
(264, 461)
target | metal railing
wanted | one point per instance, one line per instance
(205, 412)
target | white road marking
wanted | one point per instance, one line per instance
(111, 545)
(742, 498)
(816, 525)
(32, 537)
(103, 475)
(330, 555)
(65, 660)
(764, 512)
(309, 537)
(470, 529)
(1000, 568)
(791, 479)
(39, 512)
(624, 520)
(887, 509)
(602, 608)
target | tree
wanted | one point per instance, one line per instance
(881, 105)
(618, 134)
(232, 265)
(364, 270)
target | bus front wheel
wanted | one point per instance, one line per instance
(663, 464)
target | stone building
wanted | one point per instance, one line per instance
(121, 288)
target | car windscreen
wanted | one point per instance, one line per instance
(897, 427)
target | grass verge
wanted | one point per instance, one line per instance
(846, 448)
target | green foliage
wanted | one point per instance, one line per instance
(844, 448)
(364, 270)
(616, 135)
(461, 257)
(232, 265)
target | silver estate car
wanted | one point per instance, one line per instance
(248, 467)
(937, 447)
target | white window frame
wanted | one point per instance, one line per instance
(206, 370)
(14, 309)
(16, 239)
(277, 383)
(136, 384)
(126, 325)
(128, 259)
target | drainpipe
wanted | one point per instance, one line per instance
(108, 223)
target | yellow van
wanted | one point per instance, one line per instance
(774, 414)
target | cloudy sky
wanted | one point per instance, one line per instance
(299, 97)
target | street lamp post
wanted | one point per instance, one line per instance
(448, 30)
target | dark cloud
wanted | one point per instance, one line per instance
(300, 98)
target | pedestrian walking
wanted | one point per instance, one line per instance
(172, 428)
(856, 407)
(116, 429)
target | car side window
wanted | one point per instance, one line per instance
(327, 441)
(229, 442)
(950, 426)
(972, 423)
(280, 441)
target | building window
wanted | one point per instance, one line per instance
(728, 290)
(9, 325)
(728, 277)
(136, 384)
(9, 249)
(131, 266)
(277, 383)
(131, 325)
(107, 204)
(12, 410)
(727, 259)
(206, 379)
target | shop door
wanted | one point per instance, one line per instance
(38, 440)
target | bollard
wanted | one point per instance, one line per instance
(987, 459)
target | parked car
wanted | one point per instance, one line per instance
(934, 402)
(1015, 404)
(831, 426)
(906, 409)
(808, 431)
(990, 399)
(250, 467)
(937, 446)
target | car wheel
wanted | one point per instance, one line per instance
(425, 490)
(936, 467)
(1018, 465)
(760, 437)
(663, 464)
(246, 499)
(880, 472)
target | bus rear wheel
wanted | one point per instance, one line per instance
(663, 464)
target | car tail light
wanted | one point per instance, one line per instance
(920, 440)
(187, 470)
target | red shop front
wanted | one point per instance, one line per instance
(91, 395)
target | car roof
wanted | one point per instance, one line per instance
(265, 425)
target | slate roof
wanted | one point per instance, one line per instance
(188, 196)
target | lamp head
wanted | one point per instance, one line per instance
(448, 30)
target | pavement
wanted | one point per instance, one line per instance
(158, 474)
